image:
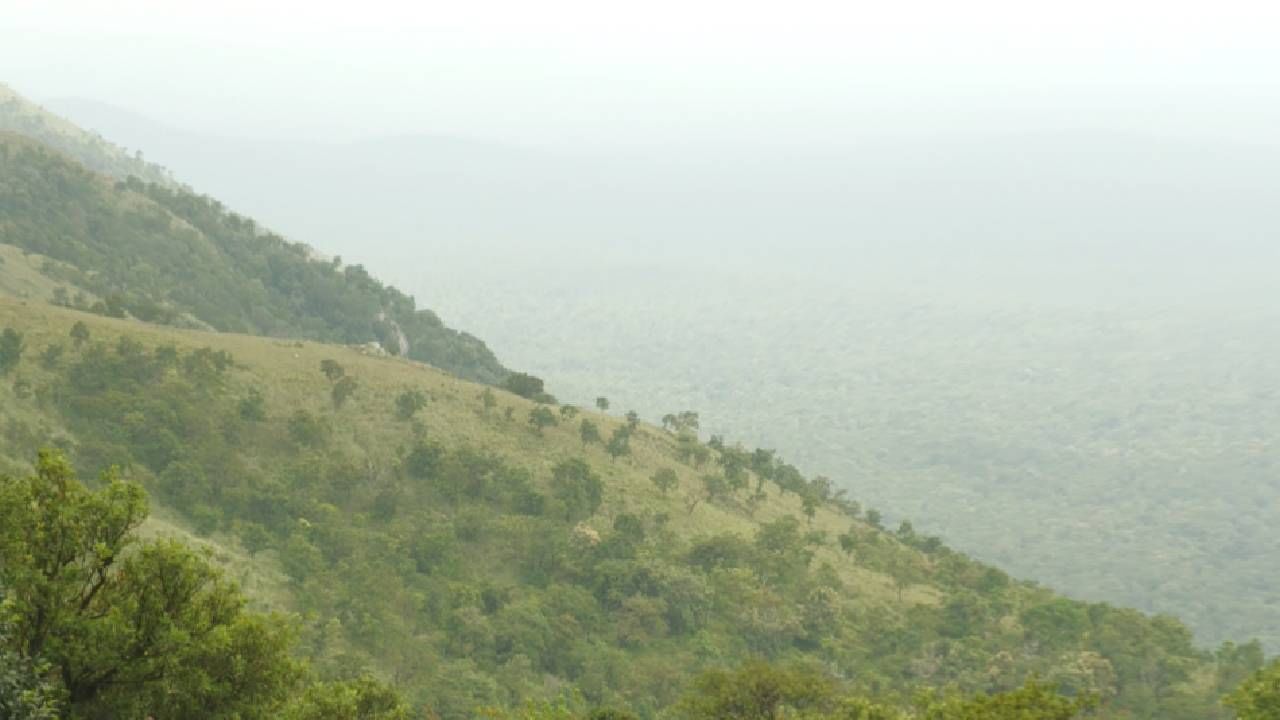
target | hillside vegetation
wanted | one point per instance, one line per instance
(478, 553)
(483, 550)
(1116, 446)
(164, 255)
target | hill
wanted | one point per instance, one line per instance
(429, 529)
(19, 115)
(952, 328)
(163, 254)
(1116, 447)
(472, 546)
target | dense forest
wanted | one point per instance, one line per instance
(217, 499)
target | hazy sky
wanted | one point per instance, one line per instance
(718, 71)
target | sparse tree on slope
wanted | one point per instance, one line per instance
(541, 417)
(332, 369)
(409, 402)
(343, 390)
(10, 350)
(589, 432)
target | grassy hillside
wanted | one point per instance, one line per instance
(165, 255)
(476, 559)
(1119, 445)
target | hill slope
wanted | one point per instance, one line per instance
(474, 547)
(165, 255)
(1071, 294)
(1114, 447)
(19, 115)
(478, 559)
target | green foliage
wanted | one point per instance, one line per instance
(10, 350)
(26, 690)
(541, 417)
(578, 488)
(307, 429)
(332, 369)
(602, 404)
(619, 442)
(684, 422)
(253, 406)
(525, 385)
(1033, 701)
(342, 390)
(756, 691)
(1052, 425)
(665, 480)
(130, 628)
(79, 333)
(479, 568)
(1258, 697)
(589, 432)
(409, 402)
(763, 691)
(364, 698)
(52, 356)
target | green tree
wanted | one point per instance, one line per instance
(10, 350)
(523, 384)
(619, 443)
(1033, 701)
(79, 333)
(253, 406)
(343, 390)
(363, 698)
(541, 417)
(568, 412)
(874, 517)
(580, 489)
(686, 421)
(715, 486)
(52, 356)
(306, 429)
(589, 432)
(633, 420)
(602, 403)
(488, 400)
(757, 691)
(26, 690)
(1258, 697)
(848, 541)
(409, 402)
(332, 369)
(129, 628)
(665, 479)
(809, 505)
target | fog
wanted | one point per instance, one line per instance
(919, 248)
